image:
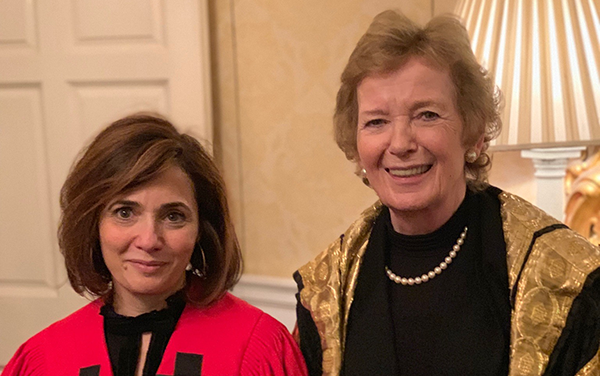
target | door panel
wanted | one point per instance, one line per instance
(67, 69)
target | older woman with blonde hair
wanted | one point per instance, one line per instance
(146, 230)
(445, 274)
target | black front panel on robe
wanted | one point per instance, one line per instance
(187, 365)
(90, 371)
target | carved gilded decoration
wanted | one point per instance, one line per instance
(582, 209)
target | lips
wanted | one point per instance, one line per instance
(146, 266)
(408, 172)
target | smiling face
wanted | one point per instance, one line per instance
(147, 237)
(409, 141)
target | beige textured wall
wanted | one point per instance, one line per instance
(276, 67)
(513, 174)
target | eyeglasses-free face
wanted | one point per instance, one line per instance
(409, 141)
(147, 237)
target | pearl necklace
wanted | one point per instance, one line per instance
(432, 273)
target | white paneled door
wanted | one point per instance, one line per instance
(67, 69)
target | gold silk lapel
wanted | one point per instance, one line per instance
(329, 282)
(592, 368)
(552, 277)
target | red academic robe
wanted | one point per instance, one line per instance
(230, 337)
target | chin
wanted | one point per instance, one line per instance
(148, 288)
(408, 202)
(148, 291)
(406, 209)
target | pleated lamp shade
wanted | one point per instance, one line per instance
(545, 56)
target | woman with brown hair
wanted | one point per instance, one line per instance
(146, 228)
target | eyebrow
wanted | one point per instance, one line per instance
(169, 205)
(426, 103)
(123, 203)
(374, 112)
(176, 204)
(416, 105)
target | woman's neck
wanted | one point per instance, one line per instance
(134, 305)
(128, 303)
(426, 220)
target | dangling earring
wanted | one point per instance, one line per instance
(202, 273)
(190, 266)
(471, 156)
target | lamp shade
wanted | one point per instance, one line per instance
(545, 57)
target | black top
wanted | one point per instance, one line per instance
(445, 326)
(123, 336)
(456, 324)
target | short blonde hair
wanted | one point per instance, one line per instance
(389, 42)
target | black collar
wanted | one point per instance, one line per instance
(123, 335)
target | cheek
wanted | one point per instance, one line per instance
(359, 148)
(105, 235)
(110, 255)
(114, 241)
(183, 244)
(444, 145)
(365, 151)
(111, 238)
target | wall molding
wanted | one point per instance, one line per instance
(274, 295)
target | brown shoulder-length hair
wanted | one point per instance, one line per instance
(388, 43)
(128, 153)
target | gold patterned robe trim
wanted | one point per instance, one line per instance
(329, 282)
(552, 277)
(592, 368)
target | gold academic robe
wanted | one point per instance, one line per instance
(546, 272)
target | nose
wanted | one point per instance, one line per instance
(148, 235)
(402, 138)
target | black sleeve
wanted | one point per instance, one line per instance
(579, 340)
(310, 342)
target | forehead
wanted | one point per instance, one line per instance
(170, 184)
(416, 79)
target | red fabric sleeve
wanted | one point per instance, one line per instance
(272, 351)
(28, 360)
